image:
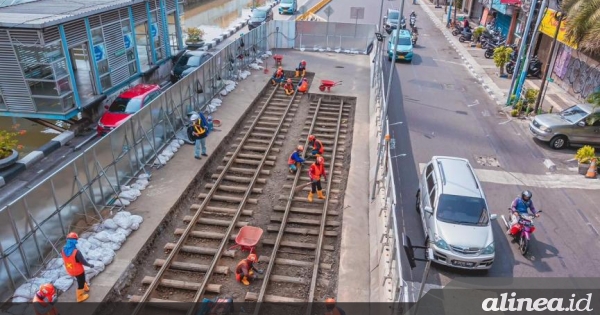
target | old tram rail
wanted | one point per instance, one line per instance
(307, 229)
(235, 185)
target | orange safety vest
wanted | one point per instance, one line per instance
(303, 87)
(198, 129)
(288, 86)
(279, 74)
(316, 171)
(73, 267)
(241, 264)
(43, 304)
(291, 160)
(321, 147)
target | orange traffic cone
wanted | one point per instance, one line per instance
(593, 170)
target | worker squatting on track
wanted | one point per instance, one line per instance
(315, 172)
(317, 146)
(295, 159)
(332, 309)
(44, 300)
(303, 85)
(244, 271)
(289, 87)
(74, 262)
(278, 77)
(301, 69)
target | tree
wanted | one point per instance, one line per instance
(583, 23)
(593, 99)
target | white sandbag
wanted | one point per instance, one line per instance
(122, 203)
(51, 275)
(223, 92)
(110, 224)
(125, 188)
(174, 150)
(142, 182)
(135, 226)
(118, 238)
(63, 283)
(103, 236)
(127, 195)
(247, 72)
(19, 299)
(167, 152)
(216, 100)
(103, 254)
(86, 235)
(98, 265)
(90, 273)
(268, 53)
(160, 160)
(112, 246)
(258, 62)
(180, 142)
(124, 232)
(229, 88)
(163, 158)
(55, 263)
(123, 219)
(85, 246)
(175, 143)
(253, 66)
(229, 82)
(136, 219)
(95, 241)
(136, 186)
(147, 176)
(98, 227)
(26, 290)
(243, 76)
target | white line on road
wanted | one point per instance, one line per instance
(396, 123)
(551, 181)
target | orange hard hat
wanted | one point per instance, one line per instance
(300, 148)
(311, 138)
(320, 160)
(73, 235)
(48, 290)
(252, 258)
(289, 80)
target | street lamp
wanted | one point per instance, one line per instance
(560, 17)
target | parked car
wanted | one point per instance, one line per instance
(454, 214)
(288, 7)
(404, 47)
(260, 16)
(125, 105)
(578, 125)
(187, 63)
(391, 20)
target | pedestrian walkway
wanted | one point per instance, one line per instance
(496, 86)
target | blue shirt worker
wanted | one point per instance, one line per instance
(295, 159)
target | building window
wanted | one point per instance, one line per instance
(47, 76)
(171, 19)
(143, 45)
(129, 47)
(156, 35)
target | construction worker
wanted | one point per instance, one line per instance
(332, 309)
(197, 132)
(301, 68)
(295, 159)
(244, 271)
(74, 262)
(316, 170)
(303, 85)
(278, 77)
(44, 300)
(289, 87)
(317, 146)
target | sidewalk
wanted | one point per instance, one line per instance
(487, 73)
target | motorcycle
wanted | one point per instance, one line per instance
(466, 35)
(458, 29)
(491, 47)
(415, 36)
(522, 230)
(510, 66)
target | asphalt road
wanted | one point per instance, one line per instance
(437, 108)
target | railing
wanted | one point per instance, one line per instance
(32, 226)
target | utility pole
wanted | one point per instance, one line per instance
(524, 48)
(559, 16)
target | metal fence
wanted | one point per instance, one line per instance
(77, 195)
(309, 35)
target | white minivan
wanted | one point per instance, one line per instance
(455, 215)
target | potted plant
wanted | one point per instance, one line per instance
(584, 158)
(501, 57)
(477, 34)
(194, 37)
(8, 144)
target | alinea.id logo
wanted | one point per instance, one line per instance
(513, 304)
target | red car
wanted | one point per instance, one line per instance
(125, 105)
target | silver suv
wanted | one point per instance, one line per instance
(579, 124)
(391, 20)
(454, 214)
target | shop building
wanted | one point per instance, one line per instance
(59, 57)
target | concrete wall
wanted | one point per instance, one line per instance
(576, 72)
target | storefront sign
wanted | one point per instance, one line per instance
(127, 40)
(548, 27)
(499, 6)
(154, 30)
(99, 52)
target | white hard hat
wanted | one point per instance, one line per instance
(194, 117)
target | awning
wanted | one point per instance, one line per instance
(511, 2)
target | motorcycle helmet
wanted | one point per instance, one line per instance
(526, 195)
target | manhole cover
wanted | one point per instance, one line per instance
(487, 161)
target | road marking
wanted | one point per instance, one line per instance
(396, 123)
(551, 181)
(474, 103)
(399, 155)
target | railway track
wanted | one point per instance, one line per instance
(304, 235)
(227, 205)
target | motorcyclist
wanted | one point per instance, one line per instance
(413, 18)
(521, 205)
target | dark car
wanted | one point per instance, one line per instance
(260, 16)
(187, 63)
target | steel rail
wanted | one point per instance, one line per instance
(206, 200)
(313, 283)
(238, 213)
(263, 288)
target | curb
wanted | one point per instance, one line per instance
(228, 33)
(493, 91)
(35, 156)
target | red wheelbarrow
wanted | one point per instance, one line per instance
(278, 59)
(328, 84)
(247, 238)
